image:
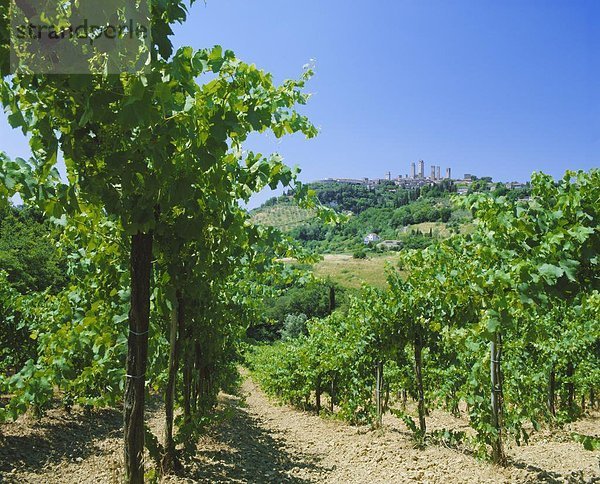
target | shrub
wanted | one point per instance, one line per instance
(294, 326)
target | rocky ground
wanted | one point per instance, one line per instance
(257, 441)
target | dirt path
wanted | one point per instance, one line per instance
(257, 441)
(274, 443)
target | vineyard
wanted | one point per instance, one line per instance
(136, 281)
(502, 324)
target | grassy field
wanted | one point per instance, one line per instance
(439, 229)
(282, 217)
(350, 272)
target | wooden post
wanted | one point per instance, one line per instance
(551, 392)
(188, 363)
(137, 355)
(318, 394)
(176, 334)
(418, 348)
(570, 388)
(378, 392)
(332, 393)
(386, 401)
(496, 396)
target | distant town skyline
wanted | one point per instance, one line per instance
(417, 171)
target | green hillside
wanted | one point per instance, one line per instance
(405, 217)
(283, 215)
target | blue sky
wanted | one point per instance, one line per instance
(498, 88)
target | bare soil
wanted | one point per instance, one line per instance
(258, 441)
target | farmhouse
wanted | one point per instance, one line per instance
(370, 238)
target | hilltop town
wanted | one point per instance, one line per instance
(408, 211)
(417, 178)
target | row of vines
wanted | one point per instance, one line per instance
(164, 266)
(503, 324)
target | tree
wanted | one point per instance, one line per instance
(4, 38)
(294, 325)
(28, 251)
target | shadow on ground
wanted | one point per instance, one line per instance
(248, 453)
(536, 474)
(542, 475)
(55, 437)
